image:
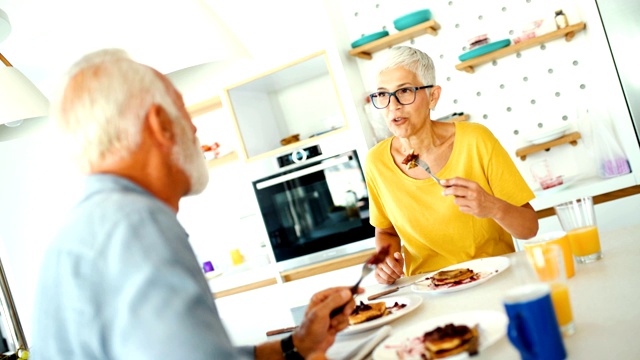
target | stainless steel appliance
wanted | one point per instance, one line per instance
(622, 28)
(316, 209)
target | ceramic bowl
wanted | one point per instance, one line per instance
(485, 49)
(412, 19)
(369, 38)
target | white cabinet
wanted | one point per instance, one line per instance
(297, 98)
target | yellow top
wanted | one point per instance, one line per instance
(433, 231)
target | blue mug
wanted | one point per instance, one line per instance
(533, 328)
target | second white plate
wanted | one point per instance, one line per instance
(486, 267)
(492, 325)
(412, 301)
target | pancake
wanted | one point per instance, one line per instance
(365, 312)
(453, 276)
(450, 339)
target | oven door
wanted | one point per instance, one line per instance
(315, 207)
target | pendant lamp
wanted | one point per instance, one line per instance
(20, 99)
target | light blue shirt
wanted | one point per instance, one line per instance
(121, 281)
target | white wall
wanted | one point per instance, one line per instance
(38, 186)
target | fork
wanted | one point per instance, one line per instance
(367, 268)
(426, 167)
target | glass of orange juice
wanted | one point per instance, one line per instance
(578, 219)
(559, 238)
(548, 263)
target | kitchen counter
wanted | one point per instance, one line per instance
(229, 284)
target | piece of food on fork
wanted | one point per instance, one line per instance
(410, 160)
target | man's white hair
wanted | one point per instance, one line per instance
(102, 104)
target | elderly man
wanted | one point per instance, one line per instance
(120, 280)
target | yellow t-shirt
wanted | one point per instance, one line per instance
(433, 231)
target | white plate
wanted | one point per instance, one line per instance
(544, 136)
(412, 301)
(492, 326)
(487, 267)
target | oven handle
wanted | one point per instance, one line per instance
(280, 179)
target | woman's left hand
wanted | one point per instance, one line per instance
(470, 197)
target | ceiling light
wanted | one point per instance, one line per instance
(5, 25)
(20, 99)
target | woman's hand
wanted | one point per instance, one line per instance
(470, 197)
(391, 269)
(520, 221)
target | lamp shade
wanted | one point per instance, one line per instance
(5, 25)
(19, 98)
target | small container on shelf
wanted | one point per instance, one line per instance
(561, 19)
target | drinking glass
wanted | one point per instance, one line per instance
(559, 238)
(578, 219)
(548, 263)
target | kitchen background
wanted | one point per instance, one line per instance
(541, 88)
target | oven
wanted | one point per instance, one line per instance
(317, 210)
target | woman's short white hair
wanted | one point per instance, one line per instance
(102, 104)
(411, 59)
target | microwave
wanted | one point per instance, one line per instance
(317, 211)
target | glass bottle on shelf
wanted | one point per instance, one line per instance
(561, 19)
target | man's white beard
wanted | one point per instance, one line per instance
(188, 155)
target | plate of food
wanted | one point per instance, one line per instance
(373, 314)
(462, 276)
(445, 336)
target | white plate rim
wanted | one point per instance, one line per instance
(413, 302)
(493, 326)
(495, 265)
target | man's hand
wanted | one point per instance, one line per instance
(318, 330)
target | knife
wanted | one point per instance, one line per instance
(394, 289)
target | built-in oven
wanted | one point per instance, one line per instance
(317, 210)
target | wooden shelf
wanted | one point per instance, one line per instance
(205, 106)
(365, 51)
(232, 156)
(568, 33)
(571, 138)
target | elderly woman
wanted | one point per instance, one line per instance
(482, 200)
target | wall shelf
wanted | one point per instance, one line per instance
(571, 138)
(366, 51)
(568, 33)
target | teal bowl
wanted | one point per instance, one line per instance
(369, 38)
(484, 49)
(412, 19)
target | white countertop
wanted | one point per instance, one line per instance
(605, 298)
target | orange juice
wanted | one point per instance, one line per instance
(584, 240)
(563, 242)
(561, 304)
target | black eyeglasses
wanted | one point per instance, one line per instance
(405, 96)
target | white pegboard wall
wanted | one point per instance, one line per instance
(538, 88)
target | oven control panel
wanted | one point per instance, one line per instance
(299, 155)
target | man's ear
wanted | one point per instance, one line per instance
(160, 125)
